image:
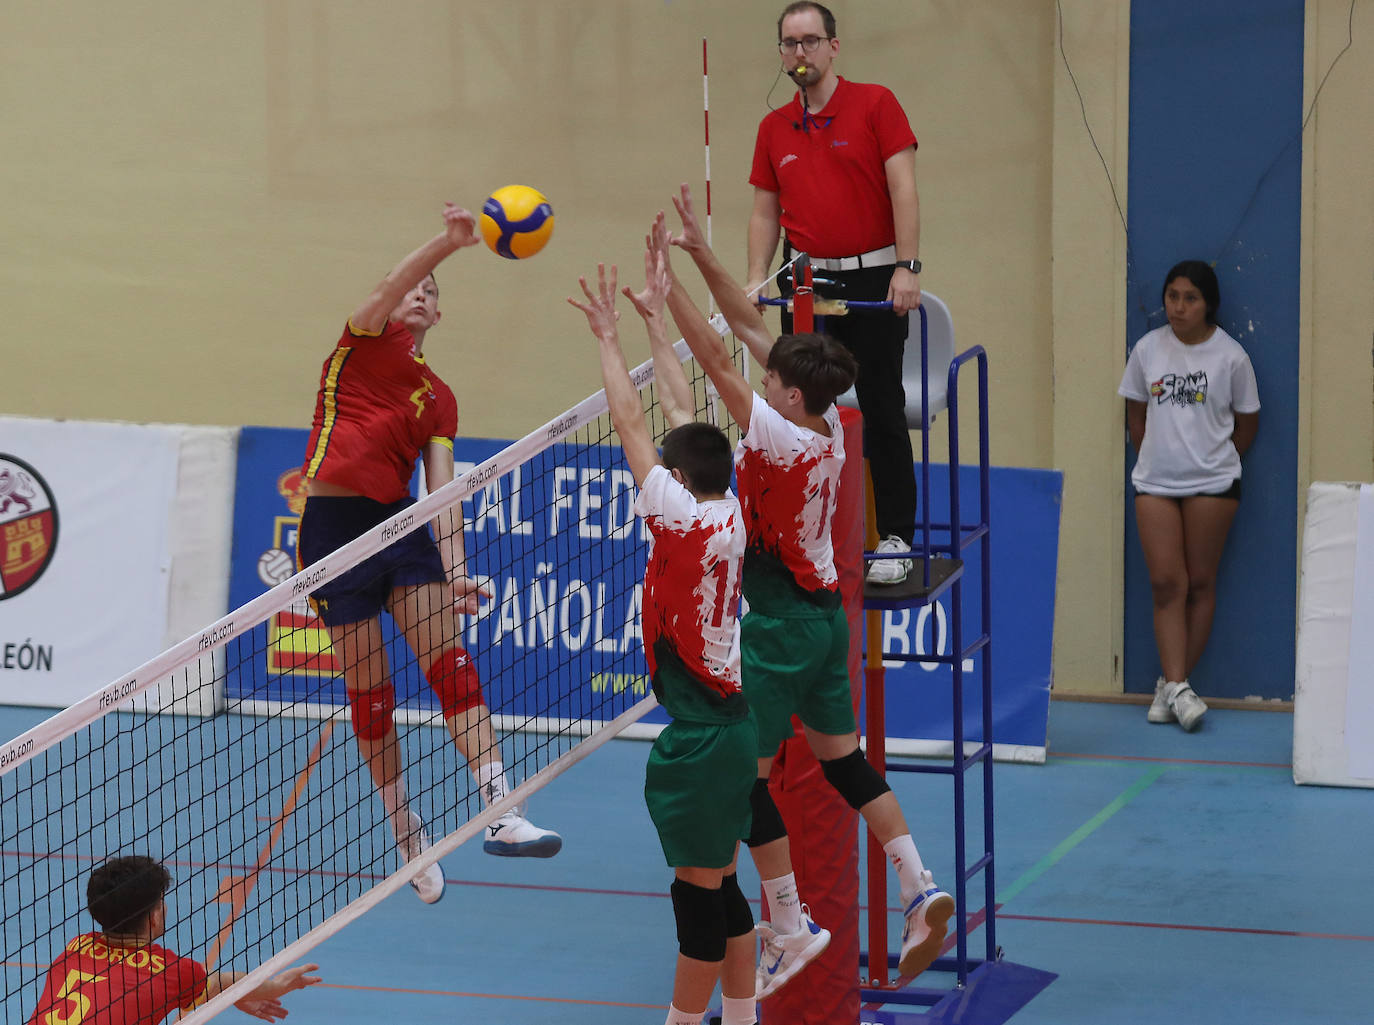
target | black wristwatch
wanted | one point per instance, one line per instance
(912, 265)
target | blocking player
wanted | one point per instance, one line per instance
(380, 406)
(700, 771)
(119, 976)
(795, 638)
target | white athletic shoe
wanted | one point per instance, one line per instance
(514, 836)
(1159, 707)
(1187, 707)
(411, 841)
(786, 954)
(889, 571)
(923, 928)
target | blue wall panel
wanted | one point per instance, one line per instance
(1216, 97)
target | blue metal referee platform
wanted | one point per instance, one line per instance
(986, 990)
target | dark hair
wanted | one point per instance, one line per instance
(827, 19)
(122, 891)
(702, 453)
(1204, 279)
(817, 364)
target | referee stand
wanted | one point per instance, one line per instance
(987, 989)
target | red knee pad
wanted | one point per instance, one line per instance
(454, 679)
(371, 711)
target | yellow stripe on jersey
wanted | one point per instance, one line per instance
(446, 442)
(330, 389)
(364, 334)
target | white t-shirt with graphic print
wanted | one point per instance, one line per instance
(1191, 395)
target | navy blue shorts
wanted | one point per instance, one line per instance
(329, 522)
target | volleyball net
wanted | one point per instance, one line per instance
(263, 812)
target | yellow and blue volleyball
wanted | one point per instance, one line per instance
(516, 221)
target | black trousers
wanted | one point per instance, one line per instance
(877, 340)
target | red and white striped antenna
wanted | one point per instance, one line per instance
(706, 127)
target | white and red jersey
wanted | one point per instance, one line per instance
(692, 585)
(788, 477)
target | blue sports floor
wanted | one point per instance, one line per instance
(1164, 877)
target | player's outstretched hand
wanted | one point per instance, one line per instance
(468, 593)
(265, 1001)
(460, 226)
(650, 300)
(259, 1007)
(599, 307)
(691, 238)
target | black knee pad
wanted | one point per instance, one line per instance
(856, 780)
(700, 915)
(739, 916)
(768, 825)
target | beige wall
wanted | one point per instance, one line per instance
(196, 195)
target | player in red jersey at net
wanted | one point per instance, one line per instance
(119, 976)
(380, 407)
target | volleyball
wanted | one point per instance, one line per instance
(516, 221)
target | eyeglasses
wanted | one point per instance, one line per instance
(809, 44)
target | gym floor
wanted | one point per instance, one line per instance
(1164, 877)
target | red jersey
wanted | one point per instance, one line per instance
(691, 594)
(830, 177)
(789, 477)
(97, 983)
(378, 406)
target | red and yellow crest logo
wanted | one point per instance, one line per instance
(28, 526)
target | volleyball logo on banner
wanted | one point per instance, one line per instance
(28, 526)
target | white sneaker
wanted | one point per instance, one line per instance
(1159, 707)
(514, 836)
(411, 841)
(923, 927)
(1187, 707)
(786, 954)
(889, 571)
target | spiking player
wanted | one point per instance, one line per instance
(795, 638)
(119, 976)
(701, 768)
(380, 406)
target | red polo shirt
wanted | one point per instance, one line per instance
(830, 175)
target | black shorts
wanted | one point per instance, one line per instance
(329, 522)
(1232, 492)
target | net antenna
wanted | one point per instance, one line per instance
(266, 807)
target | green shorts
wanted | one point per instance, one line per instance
(796, 667)
(697, 785)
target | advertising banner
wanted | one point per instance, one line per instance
(587, 630)
(84, 554)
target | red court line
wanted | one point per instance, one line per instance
(376, 876)
(490, 996)
(1192, 928)
(438, 992)
(1172, 761)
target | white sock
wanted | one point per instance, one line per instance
(491, 780)
(738, 1011)
(784, 905)
(901, 851)
(677, 1016)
